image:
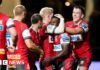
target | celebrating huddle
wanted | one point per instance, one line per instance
(55, 44)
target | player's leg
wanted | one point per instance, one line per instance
(67, 64)
(83, 64)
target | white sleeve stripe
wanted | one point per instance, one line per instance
(26, 34)
(11, 26)
(29, 37)
(10, 22)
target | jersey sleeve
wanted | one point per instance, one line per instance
(50, 29)
(85, 27)
(10, 23)
(65, 38)
(60, 28)
(26, 34)
(42, 31)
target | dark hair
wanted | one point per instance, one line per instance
(56, 18)
(0, 2)
(35, 18)
(81, 8)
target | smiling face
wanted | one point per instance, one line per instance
(55, 21)
(77, 14)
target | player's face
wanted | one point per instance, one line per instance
(23, 14)
(40, 24)
(54, 21)
(50, 16)
(77, 14)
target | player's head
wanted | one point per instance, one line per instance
(46, 12)
(36, 19)
(56, 24)
(0, 2)
(55, 21)
(78, 13)
(19, 10)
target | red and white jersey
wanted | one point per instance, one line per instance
(5, 22)
(42, 31)
(47, 47)
(81, 41)
(35, 37)
(32, 56)
(22, 49)
(23, 33)
(60, 39)
(36, 40)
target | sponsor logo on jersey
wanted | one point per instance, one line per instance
(57, 47)
(84, 26)
(65, 38)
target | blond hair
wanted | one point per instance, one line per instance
(18, 10)
(46, 11)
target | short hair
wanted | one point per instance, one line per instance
(19, 9)
(35, 18)
(56, 18)
(46, 11)
(81, 8)
(0, 2)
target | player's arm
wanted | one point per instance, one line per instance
(74, 30)
(60, 28)
(79, 30)
(29, 42)
(12, 31)
(65, 41)
(64, 53)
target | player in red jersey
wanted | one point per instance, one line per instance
(6, 23)
(36, 23)
(46, 13)
(62, 57)
(24, 38)
(79, 32)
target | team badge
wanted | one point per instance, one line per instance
(84, 26)
(57, 47)
(65, 38)
(76, 38)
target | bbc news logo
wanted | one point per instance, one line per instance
(3, 62)
(11, 62)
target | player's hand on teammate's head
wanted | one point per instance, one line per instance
(59, 15)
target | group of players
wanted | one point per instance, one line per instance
(56, 44)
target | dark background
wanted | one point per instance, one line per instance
(34, 6)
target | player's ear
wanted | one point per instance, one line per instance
(82, 16)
